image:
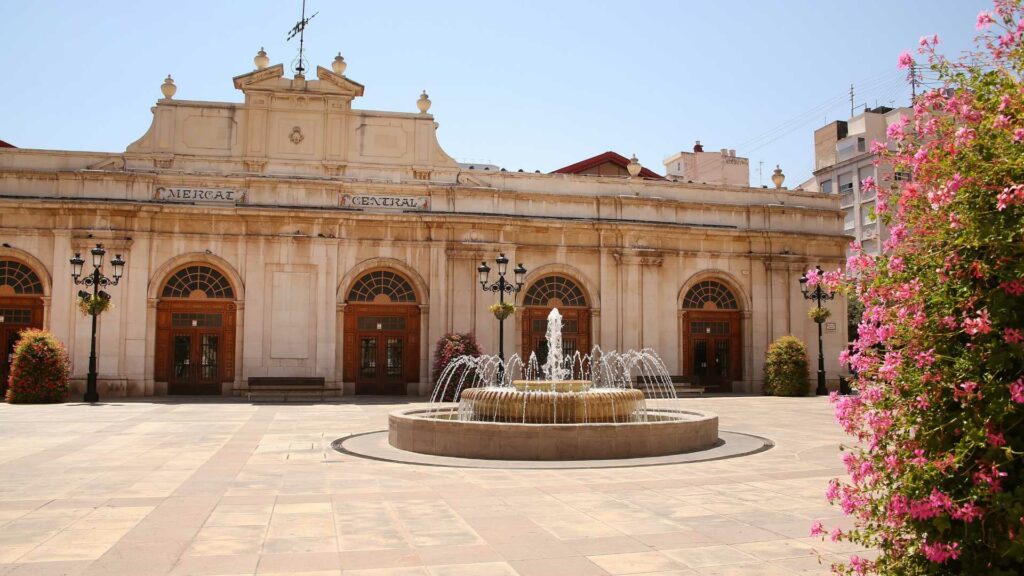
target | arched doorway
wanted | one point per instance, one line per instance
(382, 328)
(555, 292)
(711, 335)
(21, 307)
(195, 333)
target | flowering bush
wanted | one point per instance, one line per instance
(449, 347)
(785, 368)
(936, 480)
(40, 370)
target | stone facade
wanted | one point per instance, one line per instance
(272, 237)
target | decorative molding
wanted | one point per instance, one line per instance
(334, 168)
(254, 164)
(296, 136)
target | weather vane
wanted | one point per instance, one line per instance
(300, 29)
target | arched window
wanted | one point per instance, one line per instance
(19, 277)
(556, 290)
(198, 281)
(709, 294)
(382, 286)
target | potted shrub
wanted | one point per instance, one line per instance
(785, 368)
(449, 347)
(39, 370)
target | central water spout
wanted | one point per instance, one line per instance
(554, 367)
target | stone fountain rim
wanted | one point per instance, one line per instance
(413, 414)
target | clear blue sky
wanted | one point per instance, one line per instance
(524, 84)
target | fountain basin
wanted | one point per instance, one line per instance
(441, 433)
(549, 386)
(544, 406)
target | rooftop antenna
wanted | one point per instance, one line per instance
(760, 172)
(851, 97)
(300, 29)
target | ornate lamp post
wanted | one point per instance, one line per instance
(95, 279)
(818, 295)
(502, 287)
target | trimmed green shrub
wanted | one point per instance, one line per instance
(449, 347)
(785, 368)
(40, 370)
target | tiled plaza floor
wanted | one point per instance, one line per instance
(206, 488)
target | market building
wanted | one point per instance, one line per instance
(293, 235)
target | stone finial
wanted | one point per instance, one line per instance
(168, 87)
(423, 103)
(339, 65)
(633, 167)
(778, 177)
(260, 60)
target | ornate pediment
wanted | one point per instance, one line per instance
(257, 76)
(341, 83)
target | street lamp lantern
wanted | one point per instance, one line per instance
(118, 264)
(95, 279)
(520, 272)
(76, 265)
(818, 295)
(502, 287)
(97, 255)
(483, 271)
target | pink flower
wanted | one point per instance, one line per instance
(996, 439)
(1018, 134)
(1009, 196)
(979, 324)
(905, 61)
(1013, 287)
(1013, 336)
(817, 529)
(984, 20)
(941, 553)
(813, 277)
(1017, 391)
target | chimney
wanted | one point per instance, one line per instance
(697, 147)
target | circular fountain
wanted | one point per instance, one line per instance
(582, 407)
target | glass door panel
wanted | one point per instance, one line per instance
(393, 357)
(722, 359)
(700, 357)
(182, 359)
(208, 353)
(368, 357)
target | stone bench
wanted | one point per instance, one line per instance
(683, 385)
(285, 387)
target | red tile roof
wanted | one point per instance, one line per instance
(609, 156)
(6, 145)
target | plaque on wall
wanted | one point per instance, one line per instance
(208, 195)
(830, 326)
(382, 202)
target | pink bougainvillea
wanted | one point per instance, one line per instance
(936, 472)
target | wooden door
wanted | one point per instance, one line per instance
(575, 333)
(382, 348)
(195, 362)
(195, 346)
(711, 352)
(16, 314)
